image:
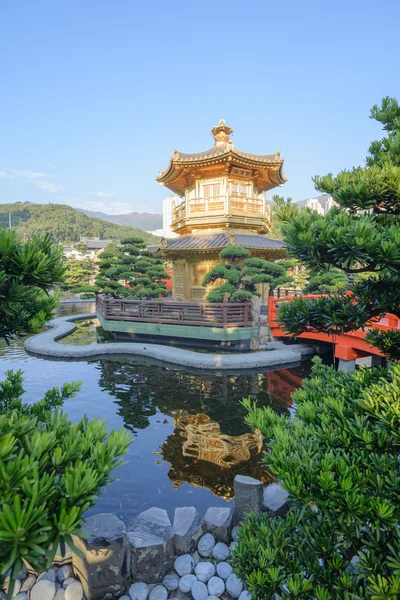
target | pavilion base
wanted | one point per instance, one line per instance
(231, 338)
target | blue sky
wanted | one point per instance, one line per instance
(96, 94)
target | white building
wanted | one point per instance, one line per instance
(168, 216)
(321, 204)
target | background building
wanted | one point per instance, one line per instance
(321, 204)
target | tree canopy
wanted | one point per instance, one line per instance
(359, 236)
(63, 223)
(130, 270)
(241, 275)
(27, 272)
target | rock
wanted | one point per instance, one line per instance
(21, 574)
(212, 597)
(63, 573)
(68, 582)
(199, 591)
(21, 596)
(218, 521)
(181, 595)
(184, 565)
(105, 566)
(151, 538)
(49, 575)
(216, 586)
(245, 595)
(186, 583)
(220, 551)
(28, 583)
(206, 545)
(187, 529)
(74, 591)
(158, 593)
(60, 594)
(224, 569)
(124, 597)
(204, 571)
(248, 495)
(275, 500)
(139, 591)
(232, 547)
(234, 586)
(3, 595)
(171, 582)
(43, 590)
(235, 535)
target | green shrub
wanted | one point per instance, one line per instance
(338, 458)
(51, 471)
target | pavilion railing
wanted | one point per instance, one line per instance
(201, 314)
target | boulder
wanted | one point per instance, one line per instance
(218, 521)
(151, 539)
(274, 500)
(187, 529)
(248, 496)
(105, 566)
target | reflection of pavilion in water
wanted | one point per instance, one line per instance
(203, 456)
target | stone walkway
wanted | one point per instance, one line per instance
(276, 354)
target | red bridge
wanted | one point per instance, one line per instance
(348, 346)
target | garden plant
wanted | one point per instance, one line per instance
(338, 456)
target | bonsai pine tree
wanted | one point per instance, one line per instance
(241, 275)
(27, 272)
(359, 237)
(337, 457)
(78, 273)
(131, 270)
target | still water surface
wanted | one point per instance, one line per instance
(190, 439)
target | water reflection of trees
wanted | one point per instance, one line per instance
(142, 388)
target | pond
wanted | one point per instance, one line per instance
(190, 439)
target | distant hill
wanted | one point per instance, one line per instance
(145, 221)
(64, 223)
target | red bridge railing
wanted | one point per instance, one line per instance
(347, 345)
(202, 314)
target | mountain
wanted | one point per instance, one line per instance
(146, 221)
(63, 223)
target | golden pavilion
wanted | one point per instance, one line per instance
(222, 202)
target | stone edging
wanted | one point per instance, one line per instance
(45, 345)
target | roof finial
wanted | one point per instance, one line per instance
(221, 133)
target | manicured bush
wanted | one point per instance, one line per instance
(338, 458)
(51, 471)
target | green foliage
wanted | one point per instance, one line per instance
(388, 342)
(338, 460)
(241, 275)
(332, 280)
(131, 263)
(387, 149)
(63, 223)
(361, 236)
(282, 211)
(51, 471)
(78, 273)
(27, 271)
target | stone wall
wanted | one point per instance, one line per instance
(154, 558)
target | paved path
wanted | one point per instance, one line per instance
(45, 345)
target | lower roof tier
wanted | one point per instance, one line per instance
(188, 244)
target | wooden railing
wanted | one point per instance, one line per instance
(235, 203)
(202, 314)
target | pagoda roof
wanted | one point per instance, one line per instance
(265, 169)
(218, 241)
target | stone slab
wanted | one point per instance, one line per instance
(248, 496)
(274, 500)
(187, 529)
(218, 521)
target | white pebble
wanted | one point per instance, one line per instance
(184, 565)
(171, 582)
(139, 591)
(206, 545)
(43, 590)
(235, 535)
(74, 591)
(232, 547)
(68, 582)
(220, 551)
(63, 573)
(204, 571)
(245, 595)
(186, 582)
(199, 591)
(28, 583)
(158, 593)
(216, 586)
(234, 586)
(224, 569)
